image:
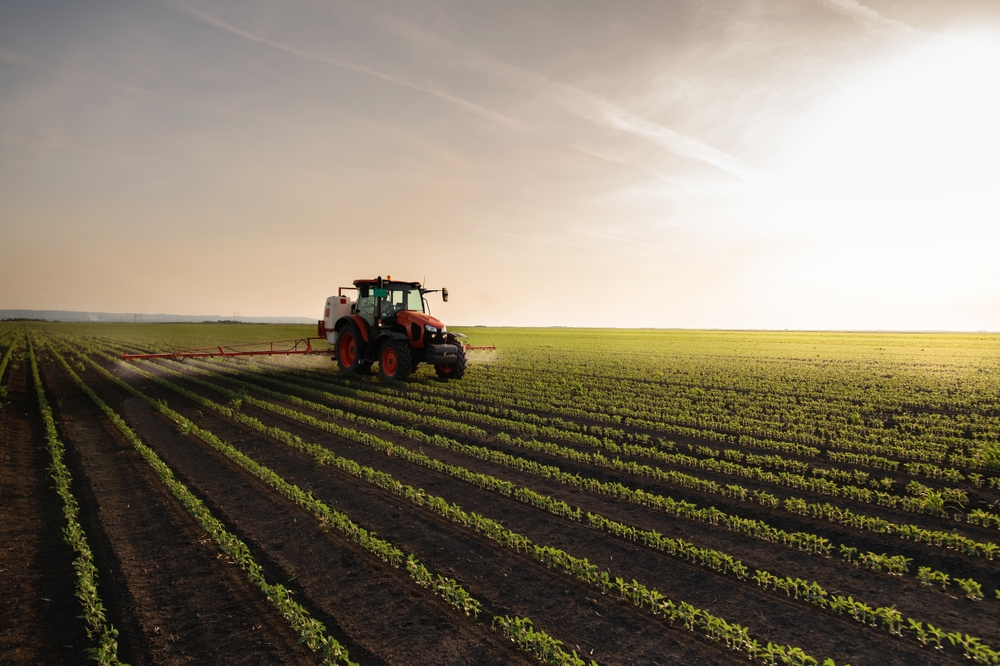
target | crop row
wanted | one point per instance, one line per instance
(597, 435)
(758, 529)
(922, 500)
(99, 629)
(888, 617)
(802, 541)
(447, 588)
(680, 508)
(722, 413)
(5, 361)
(826, 511)
(793, 505)
(311, 631)
(678, 548)
(524, 422)
(950, 540)
(788, 382)
(914, 468)
(544, 648)
(928, 501)
(931, 502)
(675, 547)
(528, 423)
(849, 402)
(682, 614)
(567, 429)
(712, 559)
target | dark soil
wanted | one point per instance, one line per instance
(169, 591)
(985, 571)
(979, 497)
(949, 609)
(375, 609)
(38, 609)
(175, 598)
(771, 616)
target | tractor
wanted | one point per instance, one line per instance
(390, 323)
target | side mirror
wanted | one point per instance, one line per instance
(363, 291)
(444, 294)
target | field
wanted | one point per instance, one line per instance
(581, 496)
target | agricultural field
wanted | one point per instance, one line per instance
(580, 497)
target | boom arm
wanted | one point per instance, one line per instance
(278, 347)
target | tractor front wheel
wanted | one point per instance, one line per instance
(395, 362)
(453, 371)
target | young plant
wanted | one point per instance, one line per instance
(972, 589)
(935, 636)
(918, 629)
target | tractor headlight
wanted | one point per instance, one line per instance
(430, 329)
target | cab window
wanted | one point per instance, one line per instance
(402, 299)
(365, 307)
(414, 301)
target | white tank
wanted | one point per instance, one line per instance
(335, 308)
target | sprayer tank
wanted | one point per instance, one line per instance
(335, 308)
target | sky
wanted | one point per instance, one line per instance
(799, 164)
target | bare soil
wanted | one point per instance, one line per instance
(177, 600)
(372, 607)
(38, 607)
(947, 609)
(769, 615)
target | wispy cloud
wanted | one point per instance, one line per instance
(580, 103)
(603, 112)
(615, 158)
(337, 62)
(872, 20)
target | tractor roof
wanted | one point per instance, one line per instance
(374, 281)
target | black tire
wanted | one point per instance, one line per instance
(456, 371)
(351, 348)
(395, 361)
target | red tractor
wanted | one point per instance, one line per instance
(390, 323)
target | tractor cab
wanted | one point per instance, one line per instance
(388, 301)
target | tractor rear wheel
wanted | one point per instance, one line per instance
(350, 351)
(395, 362)
(453, 371)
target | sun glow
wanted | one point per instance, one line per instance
(898, 175)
